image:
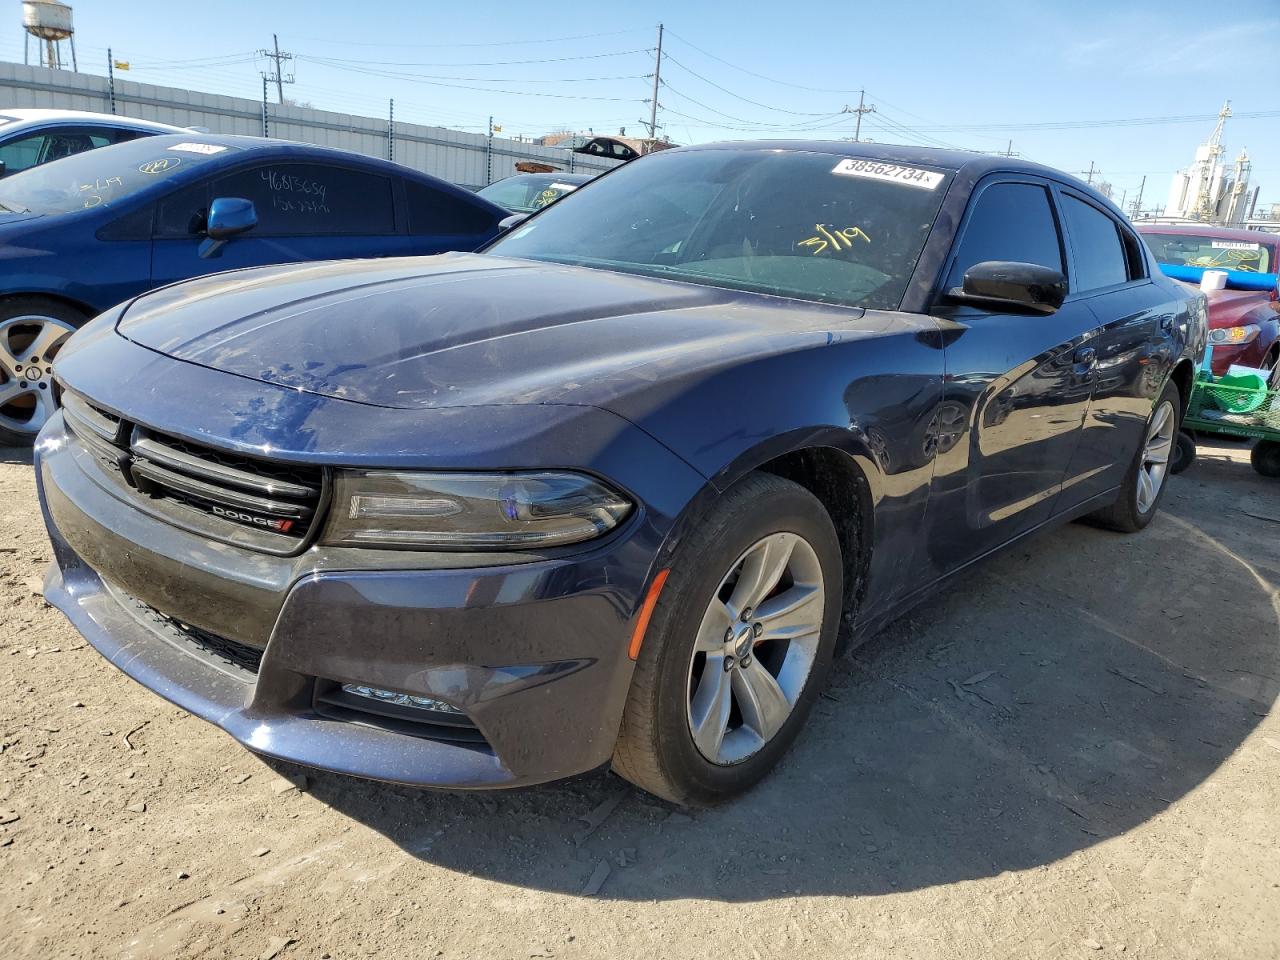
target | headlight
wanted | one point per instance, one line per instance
(470, 511)
(1235, 335)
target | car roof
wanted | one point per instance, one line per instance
(969, 161)
(24, 115)
(553, 175)
(1209, 230)
(248, 146)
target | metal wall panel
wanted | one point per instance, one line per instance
(452, 155)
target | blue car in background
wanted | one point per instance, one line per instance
(84, 233)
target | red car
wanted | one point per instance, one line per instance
(1244, 325)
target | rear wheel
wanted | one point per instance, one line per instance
(739, 646)
(1184, 452)
(1144, 484)
(32, 331)
(1266, 457)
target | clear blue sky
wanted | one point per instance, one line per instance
(932, 67)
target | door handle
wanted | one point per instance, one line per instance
(1086, 355)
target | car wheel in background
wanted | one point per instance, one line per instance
(739, 646)
(1265, 457)
(1144, 484)
(32, 330)
(1184, 452)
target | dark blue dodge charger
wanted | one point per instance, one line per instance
(104, 226)
(606, 495)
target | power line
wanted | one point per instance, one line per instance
(1088, 124)
(490, 63)
(485, 43)
(415, 78)
(752, 73)
(737, 96)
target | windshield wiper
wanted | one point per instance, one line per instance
(5, 208)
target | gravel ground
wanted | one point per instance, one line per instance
(1069, 754)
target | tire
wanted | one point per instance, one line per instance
(1133, 509)
(1184, 453)
(32, 330)
(656, 749)
(1265, 457)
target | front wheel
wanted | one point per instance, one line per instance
(1144, 484)
(32, 331)
(1265, 457)
(739, 646)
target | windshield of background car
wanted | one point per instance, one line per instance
(1183, 249)
(103, 177)
(527, 194)
(814, 226)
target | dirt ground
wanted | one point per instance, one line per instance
(1072, 753)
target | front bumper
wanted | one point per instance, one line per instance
(1251, 354)
(534, 653)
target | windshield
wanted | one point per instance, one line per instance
(527, 193)
(1182, 249)
(102, 177)
(807, 225)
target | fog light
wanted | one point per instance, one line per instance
(399, 699)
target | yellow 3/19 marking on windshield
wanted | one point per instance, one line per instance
(831, 238)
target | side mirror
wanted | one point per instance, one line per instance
(506, 224)
(1022, 287)
(228, 217)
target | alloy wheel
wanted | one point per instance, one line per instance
(1155, 455)
(28, 345)
(755, 648)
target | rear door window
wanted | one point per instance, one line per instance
(1100, 257)
(1010, 221)
(313, 199)
(22, 154)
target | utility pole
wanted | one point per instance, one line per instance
(391, 130)
(278, 77)
(657, 79)
(1090, 180)
(266, 130)
(860, 109)
(488, 156)
(111, 80)
(1137, 201)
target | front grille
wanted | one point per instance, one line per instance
(235, 488)
(227, 496)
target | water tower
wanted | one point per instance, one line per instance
(50, 23)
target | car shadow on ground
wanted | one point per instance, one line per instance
(1060, 695)
(15, 455)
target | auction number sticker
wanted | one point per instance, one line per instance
(1234, 245)
(874, 170)
(208, 149)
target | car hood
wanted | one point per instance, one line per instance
(1228, 307)
(8, 218)
(465, 329)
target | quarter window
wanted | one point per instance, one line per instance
(313, 199)
(1010, 221)
(1100, 259)
(436, 212)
